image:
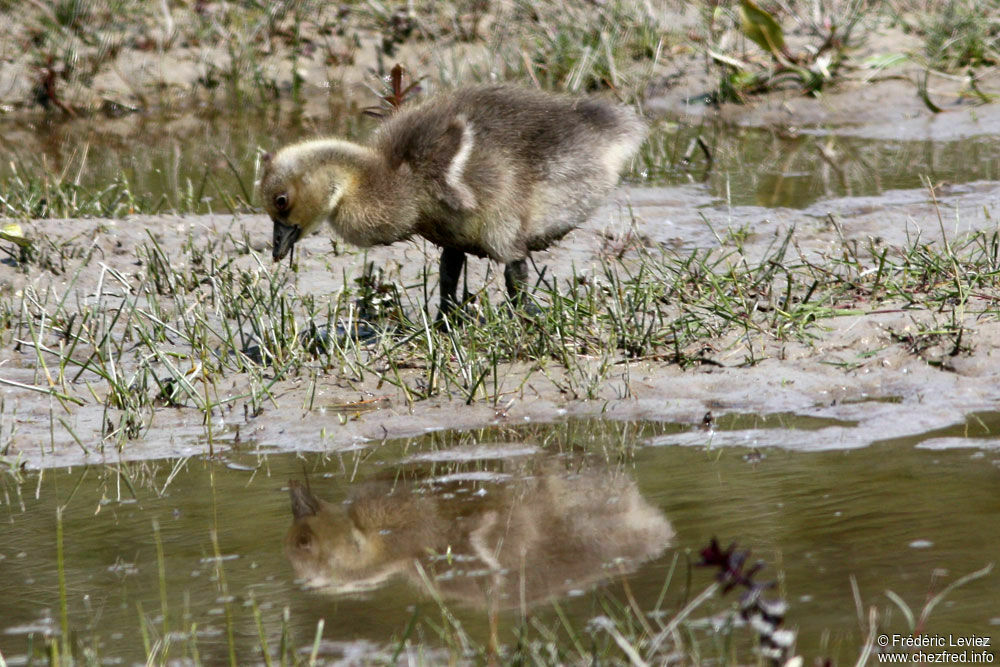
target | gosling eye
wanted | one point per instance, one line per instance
(281, 202)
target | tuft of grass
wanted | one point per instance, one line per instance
(262, 54)
(39, 194)
(52, 196)
(961, 34)
(213, 328)
(242, 49)
(578, 46)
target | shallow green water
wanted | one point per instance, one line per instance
(759, 167)
(893, 516)
(197, 163)
(191, 163)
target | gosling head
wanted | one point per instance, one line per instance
(302, 185)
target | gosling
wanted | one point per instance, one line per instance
(494, 171)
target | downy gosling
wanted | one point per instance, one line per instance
(495, 171)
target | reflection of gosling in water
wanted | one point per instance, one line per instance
(496, 171)
(554, 532)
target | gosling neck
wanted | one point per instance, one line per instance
(376, 203)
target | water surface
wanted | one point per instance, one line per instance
(894, 516)
(205, 162)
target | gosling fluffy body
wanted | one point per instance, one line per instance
(494, 171)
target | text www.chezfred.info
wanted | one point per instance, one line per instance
(966, 649)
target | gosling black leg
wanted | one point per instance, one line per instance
(515, 274)
(452, 262)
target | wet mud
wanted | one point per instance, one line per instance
(842, 168)
(851, 364)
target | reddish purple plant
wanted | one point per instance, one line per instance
(763, 615)
(395, 94)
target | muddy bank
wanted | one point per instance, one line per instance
(867, 100)
(861, 366)
(93, 67)
(880, 362)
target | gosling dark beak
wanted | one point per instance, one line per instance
(285, 237)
